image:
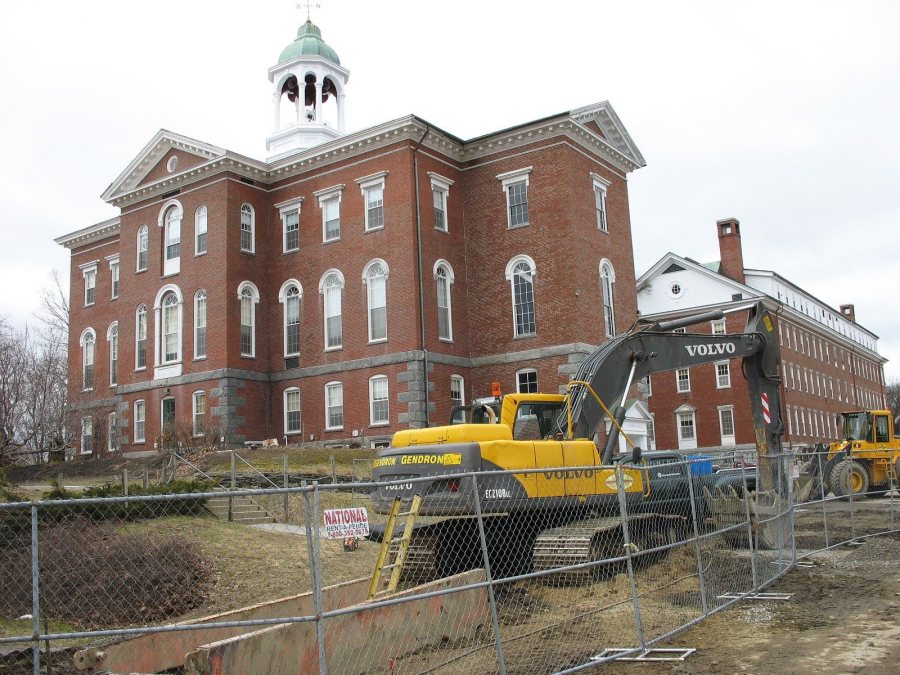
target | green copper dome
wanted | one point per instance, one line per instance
(309, 42)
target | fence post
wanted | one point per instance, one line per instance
(690, 482)
(852, 515)
(498, 642)
(333, 470)
(894, 484)
(822, 491)
(125, 482)
(626, 542)
(792, 507)
(286, 485)
(163, 480)
(752, 544)
(315, 562)
(35, 593)
(146, 478)
(233, 487)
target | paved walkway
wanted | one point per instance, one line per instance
(285, 528)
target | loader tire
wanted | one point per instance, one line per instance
(850, 477)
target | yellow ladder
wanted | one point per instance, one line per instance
(388, 540)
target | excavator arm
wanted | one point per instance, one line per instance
(653, 347)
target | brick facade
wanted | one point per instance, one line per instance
(244, 395)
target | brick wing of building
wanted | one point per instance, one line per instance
(830, 363)
(353, 283)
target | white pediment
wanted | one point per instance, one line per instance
(614, 131)
(150, 156)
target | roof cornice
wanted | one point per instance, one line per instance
(89, 234)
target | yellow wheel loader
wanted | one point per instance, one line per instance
(866, 462)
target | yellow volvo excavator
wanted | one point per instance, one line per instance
(564, 511)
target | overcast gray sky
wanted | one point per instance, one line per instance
(785, 115)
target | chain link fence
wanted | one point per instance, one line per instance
(600, 564)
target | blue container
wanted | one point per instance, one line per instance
(701, 465)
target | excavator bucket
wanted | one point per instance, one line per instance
(728, 509)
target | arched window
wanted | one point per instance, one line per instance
(200, 324)
(520, 272)
(140, 338)
(200, 231)
(171, 328)
(248, 229)
(607, 289)
(443, 277)
(290, 295)
(172, 240)
(143, 246)
(112, 336)
(375, 277)
(88, 351)
(331, 287)
(248, 296)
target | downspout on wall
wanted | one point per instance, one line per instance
(421, 278)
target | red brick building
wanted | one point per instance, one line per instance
(353, 283)
(830, 363)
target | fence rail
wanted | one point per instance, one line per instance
(593, 575)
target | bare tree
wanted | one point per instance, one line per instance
(14, 359)
(892, 394)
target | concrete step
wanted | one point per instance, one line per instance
(243, 510)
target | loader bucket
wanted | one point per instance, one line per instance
(729, 511)
(803, 488)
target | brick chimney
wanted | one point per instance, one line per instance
(848, 312)
(730, 254)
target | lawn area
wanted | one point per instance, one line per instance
(300, 460)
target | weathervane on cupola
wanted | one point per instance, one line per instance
(309, 96)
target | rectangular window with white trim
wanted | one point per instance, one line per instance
(334, 406)
(687, 436)
(87, 435)
(515, 189)
(140, 421)
(199, 413)
(114, 279)
(379, 412)
(726, 425)
(90, 286)
(683, 380)
(457, 397)
(723, 375)
(292, 412)
(600, 186)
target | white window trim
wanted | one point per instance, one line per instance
(726, 439)
(678, 388)
(718, 323)
(609, 327)
(601, 185)
(366, 183)
(252, 249)
(287, 431)
(333, 192)
(523, 371)
(511, 178)
(142, 404)
(254, 301)
(147, 321)
(85, 423)
(372, 422)
(282, 298)
(197, 355)
(197, 233)
(365, 280)
(448, 268)
(168, 368)
(286, 209)
(194, 413)
(327, 385)
(462, 389)
(442, 184)
(109, 339)
(173, 266)
(87, 269)
(719, 385)
(115, 270)
(137, 249)
(111, 432)
(82, 341)
(510, 267)
(322, 289)
(686, 444)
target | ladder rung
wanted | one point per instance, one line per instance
(406, 513)
(388, 567)
(396, 540)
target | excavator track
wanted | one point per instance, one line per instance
(598, 539)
